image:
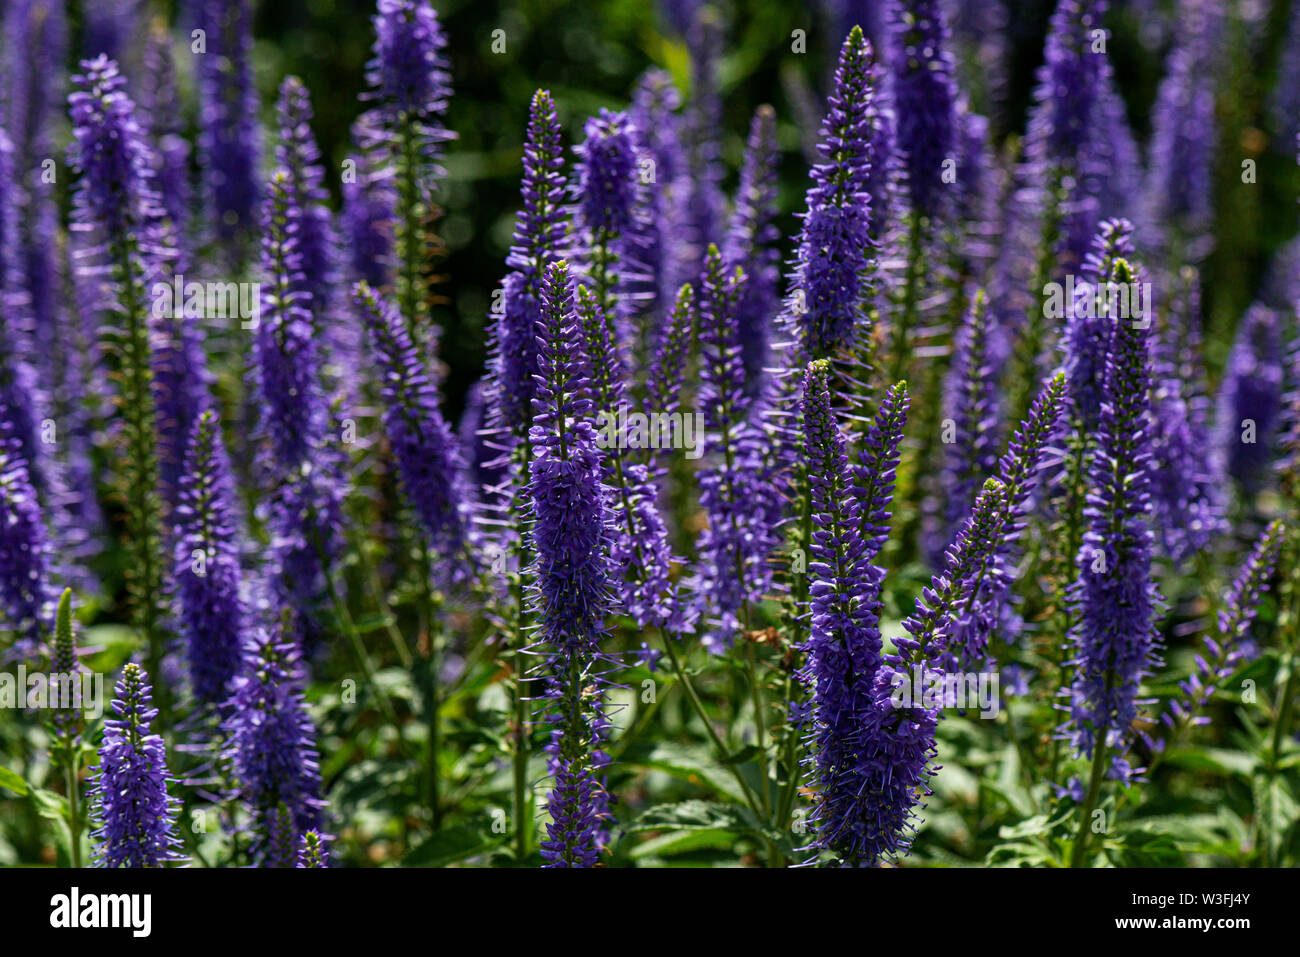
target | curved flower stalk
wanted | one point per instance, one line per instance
(988, 606)
(229, 137)
(733, 570)
(427, 453)
(1115, 643)
(971, 407)
(116, 203)
(1250, 399)
(24, 559)
(1231, 647)
(312, 850)
(272, 748)
(303, 465)
(136, 815)
(411, 87)
(639, 553)
(207, 572)
(571, 540)
(751, 244)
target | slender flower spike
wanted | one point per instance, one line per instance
(752, 244)
(207, 575)
(24, 562)
(229, 138)
(137, 817)
(312, 851)
(1228, 650)
(424, 445)
(272, 748)
(571, 538)
(833, 264)
(67, 722)
(1115, 641)
(877, 463)
(987, 607)
(1250, 398)
(925, 98)
(1088, 326)
(971, 410)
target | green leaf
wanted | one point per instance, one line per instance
(707, 816)
(12, 781)
(452, 845)
(684, 842)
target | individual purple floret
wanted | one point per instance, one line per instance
(1115, 641)
(136, 816)
(925, 98)
(207, 573)
(571, 537)
(272, 748)
(427, 453)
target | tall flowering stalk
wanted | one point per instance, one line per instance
(1115, 641)
(272, 748)
(538, 239)
(303, 464)
(229, 137)
(136, 815)
(733, 549)
(115, 202)
(207, 573)
(571, 538)
(312, 851)
(410, 86)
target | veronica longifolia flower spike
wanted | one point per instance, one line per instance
(1115, 641)
(115, 202)
(1088, 325)
(734, 491)
(229, 138)
(1228, 650)
(1250, 398)
(832, 276)
(971, 410)
(24, 569)
(272, 747)
(137, 818)
(428, 455)
(571, 538)
(924, 97)
(752, 244)
(312, 851)
(207, 571)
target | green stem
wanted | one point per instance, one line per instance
(1100, 754)
(74, 811)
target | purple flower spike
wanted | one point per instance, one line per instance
(409, 73)
(272, 748)
(312, 851)
(1250, 398)
(571, 538)
(924, 97)
(207, 564)
(832, 277)
(428, 455)
(24, 571)
(1115, 643)
(137, 818)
